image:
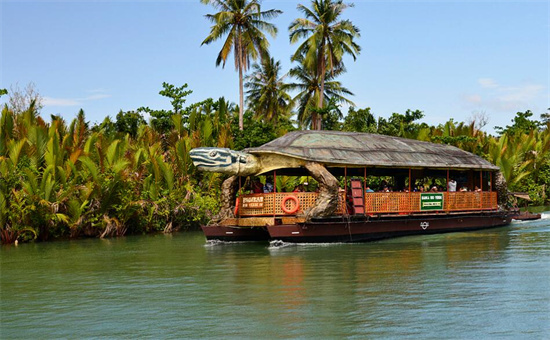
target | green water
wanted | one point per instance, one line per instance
(486, 284)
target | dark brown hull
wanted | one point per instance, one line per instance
(526, 217)
(380, 228)
(230, 233)
(339, 229)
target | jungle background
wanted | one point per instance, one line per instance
(127, 175)
(131, 173)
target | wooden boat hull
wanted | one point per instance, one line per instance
(526, 216)
(323, 231)
(235, 233)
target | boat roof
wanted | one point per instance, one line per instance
(354, 149)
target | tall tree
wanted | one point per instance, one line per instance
(327, 40)
(308, 86)
(266, 91)
(243, 23)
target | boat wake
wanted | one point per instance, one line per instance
(278, 244)
(214, 243)
(545, 216)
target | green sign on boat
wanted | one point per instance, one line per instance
(431, 201)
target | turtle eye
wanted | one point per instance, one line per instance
(213, 153)
(242, 159)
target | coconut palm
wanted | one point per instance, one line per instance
(243, 23)
(328, 39)
(308, 85)
(266, 91)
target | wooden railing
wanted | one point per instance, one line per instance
(404, 202)
(263, 204)
(375, 203)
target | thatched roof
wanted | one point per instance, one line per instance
(334, 148)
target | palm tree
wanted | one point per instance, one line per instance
(327, 39)
(243, 23)
(308, 86)
(266, 94)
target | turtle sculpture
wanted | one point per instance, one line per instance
(237, 163)
(315, 150)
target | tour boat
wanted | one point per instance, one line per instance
(342, 209)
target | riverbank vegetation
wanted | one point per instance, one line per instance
(129, 175)
(132, 173)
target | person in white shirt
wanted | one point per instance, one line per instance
(452, 185)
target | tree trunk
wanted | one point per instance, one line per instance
(241, 91)
(327, 201)
(321, 71)
(229, 190)
(241, 100)
(501, 188)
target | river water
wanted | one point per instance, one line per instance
(484, 284)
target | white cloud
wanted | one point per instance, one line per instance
(49, 101)
(487, 82)
(498, 98)
(522, 93)
(97, 94)
(473, 98)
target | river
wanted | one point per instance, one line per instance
(485, 284)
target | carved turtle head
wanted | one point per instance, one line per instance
(225, 161)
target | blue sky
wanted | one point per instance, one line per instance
(446, 58)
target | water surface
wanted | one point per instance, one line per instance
(485, 284)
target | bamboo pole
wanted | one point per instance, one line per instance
(274, 193)
(346, 190)
(365, 192)
(410, 186)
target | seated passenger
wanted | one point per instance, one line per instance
(268, 187)
(299, 188)
(368, 189)
(257, 187)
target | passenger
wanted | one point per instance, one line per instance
(257, 187)
(383, 186)
(368, 189)
(268, 187)
(452, 185)
(463, 189)
(477, 188)
(299, 188)
(434, 189)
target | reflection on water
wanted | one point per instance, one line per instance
(492, 283)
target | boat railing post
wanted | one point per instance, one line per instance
(481, 189)
(365, 190)
(346, 190)
(274, 194)
(410, 199)
(448, 194)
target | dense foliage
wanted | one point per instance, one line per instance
(129, 176)
(134, 174)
